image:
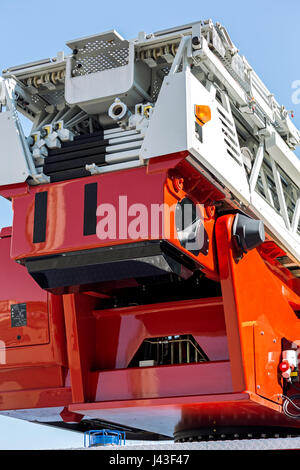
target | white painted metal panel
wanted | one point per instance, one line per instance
(168, 127)
(97, 86)
(274, 223)
(172, 129)
(212, 153)
(285, 158)
(13, 165)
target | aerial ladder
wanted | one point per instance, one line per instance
(151, 275)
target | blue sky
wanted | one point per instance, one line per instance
(265, 31)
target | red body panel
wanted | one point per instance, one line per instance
(155, 382)
(34, 363)
(19, 287)
(204, 319)
(75, 353)
(65, 213)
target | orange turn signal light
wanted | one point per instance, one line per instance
(202, 114)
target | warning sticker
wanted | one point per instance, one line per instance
(18, 315)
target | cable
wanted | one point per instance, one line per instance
(287, 401)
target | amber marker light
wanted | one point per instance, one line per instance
(202, 114)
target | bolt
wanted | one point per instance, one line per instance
(196, 41)
(258, 387)
(262, 332)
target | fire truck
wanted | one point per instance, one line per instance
(150, 280)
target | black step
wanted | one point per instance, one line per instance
(68, 175)
(98, 158)
(74, 146)
(76, 154)
(69, 161)
(64, 151)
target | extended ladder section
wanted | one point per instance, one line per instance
(114, 104)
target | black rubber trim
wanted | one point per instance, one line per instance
(68, 175)
(128, 261)
(216, 433)
(40, 217)
(75, 152)
(87, 142)
(69, 161)
(90, 209)
(63, 165)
